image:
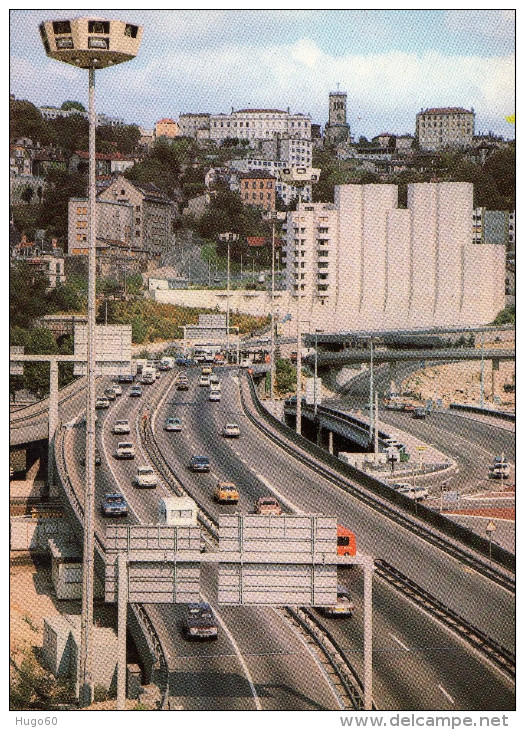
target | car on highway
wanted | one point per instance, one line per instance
(215, 382)
(215, 395)
(173, 424)
(200, 622)
(98, 459)
(121, 426)
(125, 450)
(267, 506)
(135, 391)
(110, 394)
(206, 370)
(226, 493)
(117, 388)
(146, 477)
(102, 403)
(199, 463)
(419, 413)
(126, 378)
(343, 607)
(417, 493)
(409, 408)
(231, 430)
(182, 361)
(204, 381)
(183, 384)
(114, 505)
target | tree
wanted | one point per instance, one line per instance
(27, 295)
(68, 105)
(61, 185)
(27, 194)
(285, 376)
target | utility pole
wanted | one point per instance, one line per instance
(371, 394)
(272, 356)
(298, 404)
(482, 375)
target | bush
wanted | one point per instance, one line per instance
(100, 693)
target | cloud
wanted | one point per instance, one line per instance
(497, 24)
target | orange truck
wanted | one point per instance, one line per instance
(345, 541)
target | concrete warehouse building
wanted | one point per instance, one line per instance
(362, 262)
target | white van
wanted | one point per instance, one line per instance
(178, 512)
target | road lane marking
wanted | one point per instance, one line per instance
(449, 698)
(398, 641)
(238, 653)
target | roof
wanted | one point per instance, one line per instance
(259, 111)
(166, 121)
(103, 155)
(446, 110)
(262, 174)
(257, 241)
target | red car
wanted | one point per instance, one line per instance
(267, 506)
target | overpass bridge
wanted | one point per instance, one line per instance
(391, 355)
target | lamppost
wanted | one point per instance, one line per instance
(371, 395)
(272, 215)
(90, 44)
(228, 237)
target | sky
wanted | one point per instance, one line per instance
(391, 63)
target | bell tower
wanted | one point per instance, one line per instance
(337, 130)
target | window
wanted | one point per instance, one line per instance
(81, 211)
(99, 43)
(131, 30)
(63, 43)
(61, 26)
(81, 224)
(98, 26)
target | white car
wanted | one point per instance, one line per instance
(125, 450)
(417, 493)
(121, 427)
(110, 394)
(102, 403)
(204, 381)
(215, 395)
(173, 424)
(146, 477)
(215, 383)
(231, 430)
(117, 389)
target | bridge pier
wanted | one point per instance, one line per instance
(494, 379)
(53, 422)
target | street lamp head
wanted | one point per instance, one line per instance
(91, 42)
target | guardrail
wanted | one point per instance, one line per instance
(506, 416)
(139, 616)
(351, 683)
(429, 524)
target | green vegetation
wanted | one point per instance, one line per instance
(506, 316)
(285, 376)
(32, 688)
(153, 321)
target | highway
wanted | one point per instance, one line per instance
(472, 443)
(407, 643)
(258, 662)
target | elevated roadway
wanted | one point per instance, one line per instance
(381, 355)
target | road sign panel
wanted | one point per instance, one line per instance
(286, 534)
(112, 349)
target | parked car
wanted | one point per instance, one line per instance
(226, 492)
(146, 477)
(267, 506)
(173, 424)
(110, 394)
(200, 622)
(114, 505)
(102, 403)
(125, 450)
(98, 459)
(199, 463)
(215, 395)
(121, 426)
(135, 391)
(419, 413)
(343, 607)
(231, 430)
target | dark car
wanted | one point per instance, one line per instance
(183, 385)
(183, 361)
(126, 378)
(114, 505)
(344, 605)
(200, 622)
(98, 460)
(199, 463)
(135, 391)
(419, 413)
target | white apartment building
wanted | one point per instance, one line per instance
(447, 127)
(252, 124)
(362, 262)
(51, 112)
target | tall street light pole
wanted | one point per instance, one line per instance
(371, 394)
(89, 44)
(317, 332)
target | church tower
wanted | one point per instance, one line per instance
(337, 130)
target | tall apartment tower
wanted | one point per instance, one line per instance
(337, 130)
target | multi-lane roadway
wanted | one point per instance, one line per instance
(259, 659)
